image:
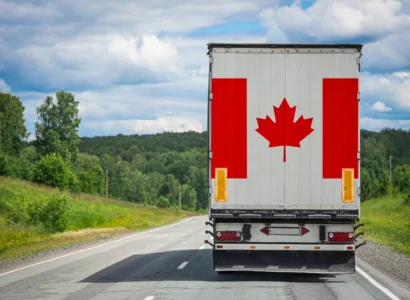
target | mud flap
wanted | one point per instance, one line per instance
(317, 262)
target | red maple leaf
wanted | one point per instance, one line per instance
(284, 132)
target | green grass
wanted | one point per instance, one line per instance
(387, 222)
(91, 218)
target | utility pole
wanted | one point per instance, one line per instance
(390, 169)
(106, 183)
(180, 196)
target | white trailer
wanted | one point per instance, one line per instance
(284, 157)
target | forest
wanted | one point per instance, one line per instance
(165, 169)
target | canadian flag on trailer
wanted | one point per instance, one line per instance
(284, 131)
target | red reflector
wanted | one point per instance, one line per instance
(341, 237)
(349, 247)
(228, 236)
(219, 246)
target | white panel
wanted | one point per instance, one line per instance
(265, 183)
(266, 164)
(304, 75)
(344, 66)
(241, 193)
(298, 164)
(316, 76)
(277, 166)
(231, 65)
(254, 145)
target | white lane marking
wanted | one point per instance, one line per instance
(149, 298)
(378, 285)
(202, 247)
(183, 265)
(95, 247)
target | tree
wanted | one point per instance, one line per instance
(365, 185)
(90, 174)
(13, 131)
(52, 170)
(57, 128)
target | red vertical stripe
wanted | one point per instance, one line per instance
(229, 126)
(340, 126)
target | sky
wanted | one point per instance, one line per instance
(140, 67)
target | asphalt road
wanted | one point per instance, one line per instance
(167, 263)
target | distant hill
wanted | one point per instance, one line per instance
(395, 142)
(160, 142)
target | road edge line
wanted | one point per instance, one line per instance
(387, 292)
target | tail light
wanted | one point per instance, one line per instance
(228, 235)
(340, 237)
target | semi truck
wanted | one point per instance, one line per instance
(284, 157)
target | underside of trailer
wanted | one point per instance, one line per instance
(282, 261)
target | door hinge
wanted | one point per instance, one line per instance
(358, 96)
(358, 62)
(358, 155)
(211, 96)
(211, 60)
(210, 154)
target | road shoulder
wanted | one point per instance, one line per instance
(387, 267)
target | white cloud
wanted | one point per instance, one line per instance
(381, 106)
(101, 60)
(379, 124)
(10, 11)
(388, 53)
(4, 87)
(125, 17)
(112, 109)
(326, 19)
(148, 51)
(175, 124)
(109, 43)
(393, 89)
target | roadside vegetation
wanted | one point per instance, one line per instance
(35, 218)
(387, 222)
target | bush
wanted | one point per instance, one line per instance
(53, 170)
(74, 184)
(88, 219)
(202, 211)
(163, 202)
(55, 213)
(23, 209)
(407, 199)
(50, 214)
(5, 166)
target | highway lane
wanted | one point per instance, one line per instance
(168, 263)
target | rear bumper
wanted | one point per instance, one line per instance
(318, 262)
